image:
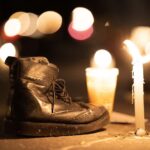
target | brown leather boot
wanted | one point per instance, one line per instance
(40, 104)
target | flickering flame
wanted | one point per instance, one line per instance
(8, 49)
(82, 19)
(102, 59)
(12, 27)
(135, 52)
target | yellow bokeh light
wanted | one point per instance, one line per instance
(7, 49)
(16, 14)
(12, 27)
(24, 19)
(49, 22)
(32, 25)
(102, 59)
(82, 19)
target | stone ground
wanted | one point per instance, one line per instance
(116, 136)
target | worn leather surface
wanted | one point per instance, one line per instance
(36, 94)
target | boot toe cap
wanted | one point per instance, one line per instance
(92, 113)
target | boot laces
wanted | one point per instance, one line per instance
(57, 90)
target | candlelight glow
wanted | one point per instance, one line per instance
(12, 27)
(8, 49)
(49, 22)
(102, 59)
(135, 52)
(82, 19)
(141, 36)
(132, 49)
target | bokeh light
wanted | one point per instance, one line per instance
(102, 59)
(7, 49)
(32, 25)
(49, 22)
(80, 35)
(24, 19)
(82, 19)
(12, 27)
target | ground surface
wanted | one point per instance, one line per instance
(116, 136)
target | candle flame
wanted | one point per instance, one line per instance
(135, 52)
(102, 59)
(141, 36)
(132, 49)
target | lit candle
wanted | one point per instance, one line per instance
(101, 80)
(138, 81)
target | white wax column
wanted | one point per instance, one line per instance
(138, 81)
(138, 93)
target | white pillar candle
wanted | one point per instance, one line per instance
(138, 81)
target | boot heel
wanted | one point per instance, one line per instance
(9, 127)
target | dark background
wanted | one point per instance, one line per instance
(72, 56)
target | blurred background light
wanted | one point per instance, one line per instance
(12, 27)
(80, 35)
(32, 27)
(82, 19)
(24, 19)
(49, 22)
(7, 49)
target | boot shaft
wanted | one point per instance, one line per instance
(31, 68)
(30, 79)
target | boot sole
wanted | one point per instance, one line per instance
(36, 129)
